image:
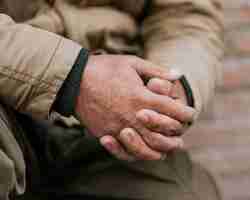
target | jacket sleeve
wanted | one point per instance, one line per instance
(33, 65)
(187, 35)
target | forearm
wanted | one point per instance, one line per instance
(199, 67)
(33, 67)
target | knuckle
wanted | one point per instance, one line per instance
(154, 82)
(142, 98)
(127, 134)
(150, 114)
(174, 125)
(135, 59)
(141, 114)
(160, 82)
(161, 123)
(152, 140)
(150, 100)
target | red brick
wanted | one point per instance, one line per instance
(236, 73)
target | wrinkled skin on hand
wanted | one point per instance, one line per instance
(123, 149)
(112, 91)
(111, 95)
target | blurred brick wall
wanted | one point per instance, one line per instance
(222, 137)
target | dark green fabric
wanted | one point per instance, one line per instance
(74, 166)
(66, 164)
(58, 147)
(146, 10)
(173, 179)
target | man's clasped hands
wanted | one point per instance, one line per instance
(138, 110)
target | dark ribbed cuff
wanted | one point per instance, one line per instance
(188, 91)
(146, 10)
(66, 98)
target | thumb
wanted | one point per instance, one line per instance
(149, 70)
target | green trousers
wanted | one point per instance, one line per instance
(39, 160)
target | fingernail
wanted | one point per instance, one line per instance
(145, 118)
(175, 74)
(127, 132)
(106, 142)
(130, 133)
(181, 144)
(192, 113)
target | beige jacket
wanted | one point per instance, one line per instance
(183, 34)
